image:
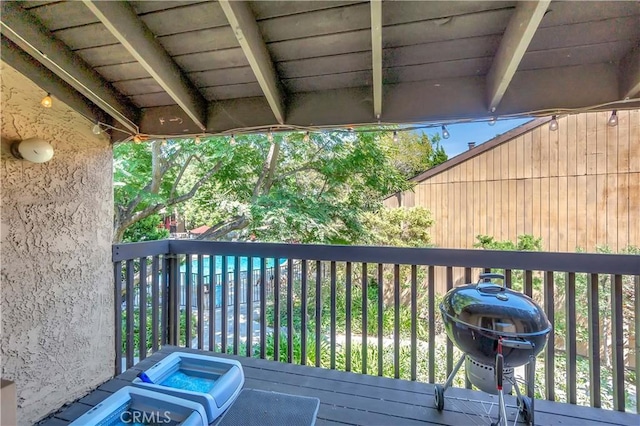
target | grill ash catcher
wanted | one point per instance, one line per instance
(497, 329)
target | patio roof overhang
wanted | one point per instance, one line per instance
(168, 68)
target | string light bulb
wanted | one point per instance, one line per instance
(47, 101)
(137, 139)
(197, 140)
(613, 120)
(445, 133)
(306, 137)
(232, 141)
(395, 136)
(553, 124)
(270, 136)
(96, 129)
(492, 121)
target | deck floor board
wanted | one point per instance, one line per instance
(357, 399)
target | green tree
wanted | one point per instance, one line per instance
(400, 227)
(151, 177)
(526, 242)
(284, 188)
(147, 229)
(412, 153)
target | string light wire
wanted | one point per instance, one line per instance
(381, 127)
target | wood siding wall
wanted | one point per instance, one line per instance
(577, 187)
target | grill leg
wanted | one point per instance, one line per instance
(532, 384)
(439, 389)
(499, 372)
(453, 373)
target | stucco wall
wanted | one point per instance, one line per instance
(56, 292)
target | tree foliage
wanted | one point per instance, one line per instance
(283, 189)
(525, 242)
(400, 227)
(413, 153)
(147, 229)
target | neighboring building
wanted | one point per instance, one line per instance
(195, 233)
(576, 187)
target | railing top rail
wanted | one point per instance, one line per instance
(560, 262)
(126, 251)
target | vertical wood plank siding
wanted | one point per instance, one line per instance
(577, 187)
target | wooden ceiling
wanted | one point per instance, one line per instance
(191, 67)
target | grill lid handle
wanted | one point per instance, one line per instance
(489, 288)
(487, 276)
(485, 285)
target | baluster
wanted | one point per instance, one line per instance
(130, 312)
(449, 343)
(594, 340)
(365, 304)
(187, 300)
(303, 313)
(396, 322)
(380, 318)
(617, 340)
(236, 304)
(249, 315)
(155, 302)
(550, 348)
(264, 282)
(225, 304)
(290, 330)
(143, 309)
(213, 301)
(571, 342)
(333, 315)
(432, 322)
(276, 310)
(348, 317)
(318, 312)
(200, 302)
(414, 320)
(117, 296)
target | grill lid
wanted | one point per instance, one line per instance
(488, 306)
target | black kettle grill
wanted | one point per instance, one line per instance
(497, 329)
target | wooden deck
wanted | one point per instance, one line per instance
(356, 399)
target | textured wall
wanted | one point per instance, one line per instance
(56, 293)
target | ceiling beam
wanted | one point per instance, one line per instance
(248, 34)
(23, 29)
(18, 59)
(376, 54)
(123, 22)
(629, 71)
(520, 30)
(430, 101)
